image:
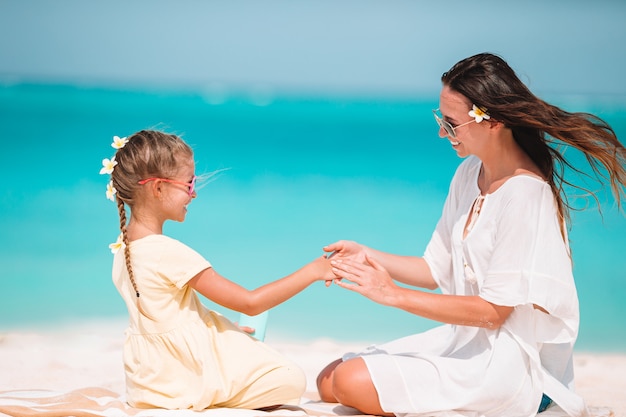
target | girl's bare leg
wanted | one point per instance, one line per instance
(350, 384)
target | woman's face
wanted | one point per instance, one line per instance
(454, 108)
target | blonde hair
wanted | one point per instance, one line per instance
(148, 153)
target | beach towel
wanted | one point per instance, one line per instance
(101, 402)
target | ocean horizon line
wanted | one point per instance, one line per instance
(263, 94)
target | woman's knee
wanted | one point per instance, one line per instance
(348, 379)
(353, 386)
(324, 382)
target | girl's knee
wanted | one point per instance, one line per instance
(283, 385)
(293, 380)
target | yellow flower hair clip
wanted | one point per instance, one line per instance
(479, 113)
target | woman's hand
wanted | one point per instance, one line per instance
(370, 279)
(346, 249)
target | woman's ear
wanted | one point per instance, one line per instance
(495, 125)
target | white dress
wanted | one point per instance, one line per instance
(514, 255)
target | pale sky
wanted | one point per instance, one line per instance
(376, 47)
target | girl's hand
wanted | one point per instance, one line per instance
(246, 329)
(323, 270)
(370, 279)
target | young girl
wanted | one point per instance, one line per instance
(177, 353)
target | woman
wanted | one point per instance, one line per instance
(499, 255)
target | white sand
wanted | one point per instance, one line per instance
(90, 355)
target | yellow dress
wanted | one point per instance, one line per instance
(180, 354)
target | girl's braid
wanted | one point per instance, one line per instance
(122, 211)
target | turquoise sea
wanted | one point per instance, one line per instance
(303, 172)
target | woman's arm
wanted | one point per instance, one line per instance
(372, 280)
(410, 270)
(252, 302)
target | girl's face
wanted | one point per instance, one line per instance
(176, 194)
(454, 108)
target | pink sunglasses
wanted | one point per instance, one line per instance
(191, 185)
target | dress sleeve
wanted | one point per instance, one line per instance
(530, 262)
(180, 263)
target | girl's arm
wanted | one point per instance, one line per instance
(409, 270)
(252, 302)
(372, 280)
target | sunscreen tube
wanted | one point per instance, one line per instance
(258, 323)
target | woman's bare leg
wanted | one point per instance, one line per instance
(350, 384)
(325, 382)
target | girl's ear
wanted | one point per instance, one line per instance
(157, 188)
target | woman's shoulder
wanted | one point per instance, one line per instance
(525, 194)
(525, 182)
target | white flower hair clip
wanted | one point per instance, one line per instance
(108, 165)
(118, 143)
(479, 113)
(111, 191)
(119, 244)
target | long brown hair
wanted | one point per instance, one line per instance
(147, 154)
(541, 128)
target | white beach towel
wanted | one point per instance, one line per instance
(101, 402)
